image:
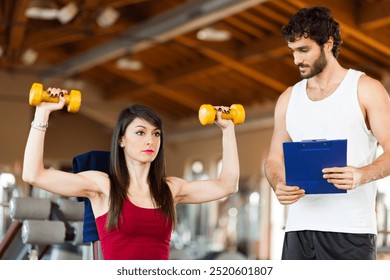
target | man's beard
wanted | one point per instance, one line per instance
(317, 68)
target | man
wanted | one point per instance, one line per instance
(330, 102)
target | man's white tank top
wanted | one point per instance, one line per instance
(338, 116)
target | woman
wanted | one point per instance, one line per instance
(134, 204)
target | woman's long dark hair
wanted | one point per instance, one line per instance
(119, 175)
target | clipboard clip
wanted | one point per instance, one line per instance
(315, 144)
(313, 140)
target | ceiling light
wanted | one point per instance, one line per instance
(48, 10)
(29, 57)
(129, 64)
(107, 17)
(42, 9)
(212, 34)
(67, 13)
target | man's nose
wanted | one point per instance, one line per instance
(297, 59)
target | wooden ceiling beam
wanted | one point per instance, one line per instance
(180, 20)
(141, 78)
(93, 4)
(71, 34)
(374, 56)
(245, 27)
(373, 14)
(179, 97)
(367, 40)
(284, 5)
(259, 21)
(149, 85)
(274, 46)
(270, 13)
(18, 26)
(234, 65)
(358, 59)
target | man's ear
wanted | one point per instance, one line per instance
(329, 44)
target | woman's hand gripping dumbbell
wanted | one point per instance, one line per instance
(38, 95)
(207, 114)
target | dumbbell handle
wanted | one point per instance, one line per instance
(227, 116)
(54, 99)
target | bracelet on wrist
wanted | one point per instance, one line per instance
(39, 125)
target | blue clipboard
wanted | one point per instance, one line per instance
(305, 160)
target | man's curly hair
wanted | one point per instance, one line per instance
(315, 23)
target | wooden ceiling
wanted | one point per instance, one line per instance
(181, 72)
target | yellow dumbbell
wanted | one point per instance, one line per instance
(207, 114)
(38, 95)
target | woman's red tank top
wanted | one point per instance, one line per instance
(143, 234)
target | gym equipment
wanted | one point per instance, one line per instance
(21, 208)
(43, 232)
(46, 222)
(78, 233)
(48, 232)
(42, 223)
(31, 208)
(207, 114)
(38, 95)
(71, 209)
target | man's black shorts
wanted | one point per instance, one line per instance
(319, 245)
